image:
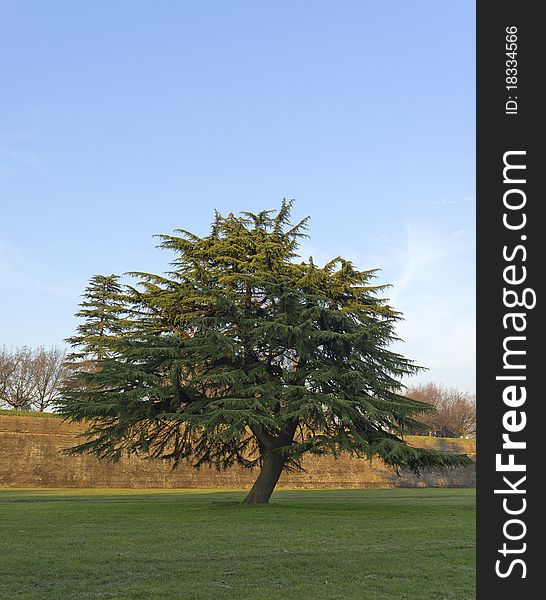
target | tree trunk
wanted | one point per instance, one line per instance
(272, 466)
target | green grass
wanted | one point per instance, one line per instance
(412, 544)
(28, 413)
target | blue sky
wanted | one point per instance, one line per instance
(120, 120)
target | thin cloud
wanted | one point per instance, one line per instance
(435, 291)
(26, 159)
(18, 272)
(420, 251)
(447, 201)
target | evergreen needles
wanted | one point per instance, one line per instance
(241, 354)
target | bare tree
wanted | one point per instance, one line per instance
(462, 411)
(8, 366)
(49, 374)
(455, 414)
(18, 386)
(31, 379)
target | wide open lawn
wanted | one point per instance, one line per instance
(414, 544)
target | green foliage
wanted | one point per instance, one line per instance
(104, 311)
(241, 350)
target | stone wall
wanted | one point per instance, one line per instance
(31, 456)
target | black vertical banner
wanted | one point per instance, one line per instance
(511, 259)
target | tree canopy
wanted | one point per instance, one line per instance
(242, 353)
(103, 311)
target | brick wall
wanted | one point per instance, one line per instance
(30, 456)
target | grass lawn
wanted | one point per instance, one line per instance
(414, 544)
